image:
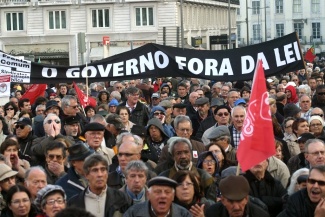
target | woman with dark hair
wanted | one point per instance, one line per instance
(19, 203)
(221, 155)
(90, 111)
(103, 97)
(25, 114)
(4, 130)
(11, 115)
(124, 113)
(189, 193)
(299, 126)
(10, 149)
(208, 161)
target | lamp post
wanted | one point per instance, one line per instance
(182, 25)
(247, 23)
(265, 35)
(229, 24)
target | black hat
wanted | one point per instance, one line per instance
(79, 151)
(50, 104)
(71, 120)
(304, 137)
(94, 126)
(24, 121)
(162, 181)
(139, 130)
(179, 105)
(115, 120)
(221, 107)
(291, 110)
(202, 101)
(234, 187)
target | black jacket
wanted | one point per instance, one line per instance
(269, 190)
(205, 124)
(140, 114)
(299, 205)
(115, 201)
(251, 210)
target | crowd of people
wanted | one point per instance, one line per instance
(162, 147)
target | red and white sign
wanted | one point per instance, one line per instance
(106, 40)
(5, 86)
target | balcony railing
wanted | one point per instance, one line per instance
(316, 40)
(255, 40)
(241, 42)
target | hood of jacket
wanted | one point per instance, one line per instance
(156, 122)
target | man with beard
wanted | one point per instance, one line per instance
(308, 202)
(264, 187)
(72, 127)
(98, 198)
(203, 111)
(234, 200)
(181, 152)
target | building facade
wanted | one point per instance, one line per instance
(47, 30)
(262, 20)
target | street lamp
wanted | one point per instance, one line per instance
(182, 25)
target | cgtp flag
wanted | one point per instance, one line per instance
(257, 139)
(84, 100)
(310, 54)
(34, 91)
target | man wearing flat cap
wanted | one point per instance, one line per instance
(94, 134)
(234, 200)
(203, 111)
(161, 192)
(74, 181)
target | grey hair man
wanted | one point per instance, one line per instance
(35, 180)
(136, 173)
(315, 152)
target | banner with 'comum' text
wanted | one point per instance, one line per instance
(280, 55)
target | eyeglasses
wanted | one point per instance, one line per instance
(8, 179)
(316, 125)
(223, 114)
(321, 93)
(20, 126)
(17, 202)
(74, 107)
(57, 121)
(313, 182)
(52, 156)
(317, 153)
(120, 154)
(9, 108)
(52, 202)
(185, 184)
(158, 113)
(320, 115)
(209, 162)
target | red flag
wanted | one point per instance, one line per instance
(84, 100)
(34, 91)
(257, 138)
(310, 54)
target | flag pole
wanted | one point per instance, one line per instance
(238, 170)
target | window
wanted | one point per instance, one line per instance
(298, 27)
(296, 6)
(238, 11)
(256, 32)
(256, 7)
(315, 6)
(57, 20)
(279, 6)
(15, 21)
(279, 30)
(316, 30)
(100, 18)
(144, 16)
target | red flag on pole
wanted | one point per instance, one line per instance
(310, 54)
(257, 138)
(34, 91)
(84, 99)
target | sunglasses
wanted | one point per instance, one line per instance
(320, 115)
(321, 94)
(158, 113)
(20, 126)
(57, 121)
(52, 156)
(313, 181)
(74, 107)
(223, 114)
(7, 109)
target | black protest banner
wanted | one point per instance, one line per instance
(280, 55)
